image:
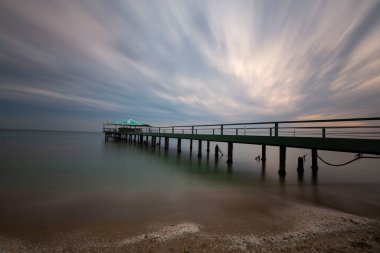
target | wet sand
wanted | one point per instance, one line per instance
(323, 219)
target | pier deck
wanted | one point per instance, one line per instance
(357, 135)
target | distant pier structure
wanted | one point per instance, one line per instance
(356, 135)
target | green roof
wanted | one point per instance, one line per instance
(130, 122)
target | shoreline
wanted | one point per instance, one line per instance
(178, 222)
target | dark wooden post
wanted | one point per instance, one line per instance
(314, 159)
(300, 165)
(263, 153)
(282, 170)
(208, 147)
(229, 152)
(323, 132)
(191, 144)
(146, 140)
(153, 141)
(159, 141)
(166, 145)
(179, 145)
(276, 129)
(199, 148)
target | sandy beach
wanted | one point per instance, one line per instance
(179, 222)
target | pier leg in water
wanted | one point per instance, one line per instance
(191, 144)
(229, 152)
(314, 160)
(159, 142)
(179, 145)
(263, 153)
(282, 170)
(199, 148)
(166, 143)
(146, 140)
(300, 165)
(208, 147)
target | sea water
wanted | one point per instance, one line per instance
(79, 162)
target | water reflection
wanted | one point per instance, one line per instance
(263, 171)
(242, 172)
(300, 177)
(314, 177)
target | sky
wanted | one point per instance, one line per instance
(72, 65)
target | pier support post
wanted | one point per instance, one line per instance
(191, 144)
(282, 170)
(134, 138)
(153, 141)
(276, 129)
(146, 140)
(208, 147)
(199, 148)
(314, 159)
(179, 145)
(159, 141)
(300, 165)
(263, 153)
(166, 145)
(229, 152)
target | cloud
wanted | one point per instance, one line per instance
(185, 62)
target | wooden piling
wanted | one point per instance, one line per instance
(263, 153)
(300, 165)
(199, 148)
(191, 144)
(230, 152)
(276, 129)
(179, 145)
(208, 147)
(282, 170)
(314, 159)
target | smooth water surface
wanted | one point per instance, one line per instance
(71, 161)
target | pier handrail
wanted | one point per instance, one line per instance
(274, 128)
(282, 122)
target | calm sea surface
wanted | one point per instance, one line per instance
(69, 162)
(83, 161)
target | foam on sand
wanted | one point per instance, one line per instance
(164, 234)
(308, 222)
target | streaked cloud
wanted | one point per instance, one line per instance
(170, 62)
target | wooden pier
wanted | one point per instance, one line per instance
(356, 135)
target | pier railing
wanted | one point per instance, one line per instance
(363, 128)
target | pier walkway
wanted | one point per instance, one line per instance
(357, 135)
